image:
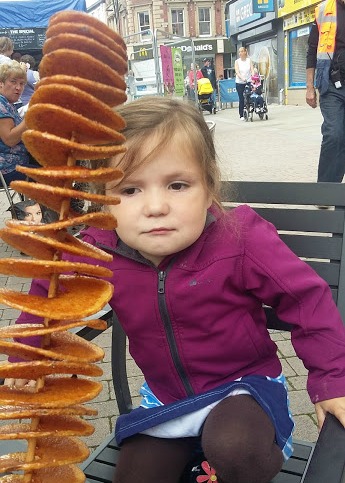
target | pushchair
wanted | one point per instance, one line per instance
(254, 103)
(205, 95)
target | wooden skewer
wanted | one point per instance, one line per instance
(52, 291)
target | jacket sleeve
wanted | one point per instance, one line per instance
(313, 41)
(275, 275)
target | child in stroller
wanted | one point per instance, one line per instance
(205, 95)
(253, 99)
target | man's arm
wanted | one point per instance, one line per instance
(311, 97)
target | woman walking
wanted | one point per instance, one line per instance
(244, 70)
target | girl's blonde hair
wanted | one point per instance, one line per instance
(162, 118)
(12, 68)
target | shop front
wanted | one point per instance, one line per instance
(297, 20)
(219, 51)
(260, 33)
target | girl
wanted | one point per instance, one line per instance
(243, 69)
(256, 87)
(190, 281)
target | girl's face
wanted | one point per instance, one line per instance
(33, 213)
(163, 203)
(242, 53)
(12, 88)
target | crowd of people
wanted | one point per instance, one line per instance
(195, 74)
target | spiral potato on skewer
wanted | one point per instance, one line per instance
(70, 118)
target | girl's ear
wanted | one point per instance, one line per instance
(209, 201)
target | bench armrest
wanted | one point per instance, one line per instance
(328, 461)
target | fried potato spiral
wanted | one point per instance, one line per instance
(71, 117)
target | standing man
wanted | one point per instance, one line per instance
(208, 71)
(326, 55)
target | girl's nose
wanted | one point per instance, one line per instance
(156, 204)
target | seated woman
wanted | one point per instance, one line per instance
(12, 126)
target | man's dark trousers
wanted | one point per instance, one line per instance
(332, 154)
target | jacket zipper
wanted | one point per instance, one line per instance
(170, 334)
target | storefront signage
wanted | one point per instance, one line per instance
(178, 71)
(303, 17)
(201, 47)
(206, 46)
(244, 13)
(26, 39)
(263, 6)
(287, 7)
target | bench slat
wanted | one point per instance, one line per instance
(328, 271)
(287, 478)
(304, 220)
(295, 466)
(320, 247)
(284, 193)
(102, 471)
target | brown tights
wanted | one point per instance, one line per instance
(237, 439)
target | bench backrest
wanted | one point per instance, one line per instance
(316, 235)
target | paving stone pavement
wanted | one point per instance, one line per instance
(285, 147)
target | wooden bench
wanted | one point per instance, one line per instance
(316, 235)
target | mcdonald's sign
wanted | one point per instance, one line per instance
(143, 52)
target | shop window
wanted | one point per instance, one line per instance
(177, 22)
(204, 21)
(298, 46)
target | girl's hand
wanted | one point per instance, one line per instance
(334, 406)
(19, 383)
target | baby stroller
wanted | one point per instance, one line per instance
(254, 103)
(205, 95)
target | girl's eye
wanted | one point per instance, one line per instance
(129, 191)
(178, 186)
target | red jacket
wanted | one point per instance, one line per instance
(196, 321)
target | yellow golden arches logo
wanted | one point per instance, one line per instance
(143, 52)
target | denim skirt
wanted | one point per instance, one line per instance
(270, 393)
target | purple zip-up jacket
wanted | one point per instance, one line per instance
(196, 321)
